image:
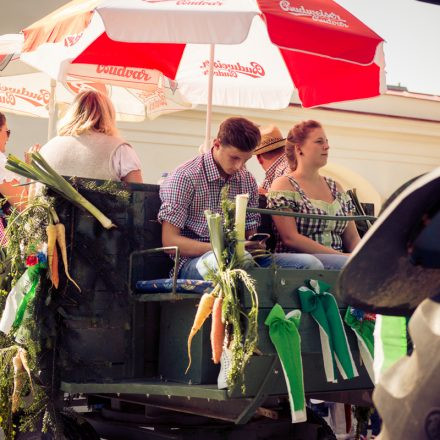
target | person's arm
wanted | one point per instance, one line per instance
(15, 195)
(350, 237)
(171, 236)
(252, 219)
(288, 230)
(176, 194)
(127, 165)
(133, 177)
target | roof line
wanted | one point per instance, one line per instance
(369, 113)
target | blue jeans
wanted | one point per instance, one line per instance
(332, 261)
(197, 268)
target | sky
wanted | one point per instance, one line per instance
(411, 29)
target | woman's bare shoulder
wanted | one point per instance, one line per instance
(281, 183)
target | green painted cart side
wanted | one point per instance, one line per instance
(118, 344)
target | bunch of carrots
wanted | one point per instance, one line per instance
(223, 302)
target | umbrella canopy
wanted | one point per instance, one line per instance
(264, 48)
(26, 91)
(328, 53)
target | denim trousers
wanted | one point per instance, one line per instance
(197, 268)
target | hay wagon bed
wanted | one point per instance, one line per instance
(125, 351)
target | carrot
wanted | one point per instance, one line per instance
(24, 361)
(18, 382)
(52, 256)
(203, 311)
(54, 276)
(61, 239)
(217, 330)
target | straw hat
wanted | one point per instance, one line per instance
(271, 139)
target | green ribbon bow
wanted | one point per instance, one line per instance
(33, 273)
(283, 332)
(320, 303)
(364, 331)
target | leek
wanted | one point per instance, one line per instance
(241, 201)
(39, 170)
(216, 236)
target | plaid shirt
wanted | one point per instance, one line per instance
(194, 187)
(277, 169)
(327, 232)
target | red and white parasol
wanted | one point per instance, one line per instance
(263, 49)
(26, 91)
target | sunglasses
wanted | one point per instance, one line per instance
(8, 132)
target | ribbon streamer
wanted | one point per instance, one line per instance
(362, 325)
(283, 332)
(319, 302)
(390, 342)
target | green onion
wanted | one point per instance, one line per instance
(41, 171)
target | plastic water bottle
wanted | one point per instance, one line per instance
(162, 178)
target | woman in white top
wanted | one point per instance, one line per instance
(88, 144)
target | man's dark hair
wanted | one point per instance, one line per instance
(240, 133)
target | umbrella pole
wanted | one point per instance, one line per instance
(52, 110)
(209, 105)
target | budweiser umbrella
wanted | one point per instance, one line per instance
(264, 48)
(23, 90)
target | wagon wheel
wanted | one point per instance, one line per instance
(74, 428)
(324, 431)
(77, 428)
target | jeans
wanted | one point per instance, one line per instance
(198, 268)
(332, 261)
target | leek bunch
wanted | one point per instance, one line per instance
(39, 170)
(227, 236)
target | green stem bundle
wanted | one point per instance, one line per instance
(39, 170)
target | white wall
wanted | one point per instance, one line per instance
(385, 150)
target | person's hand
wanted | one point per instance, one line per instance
(262, 191)
(34, 149)
(255, 248)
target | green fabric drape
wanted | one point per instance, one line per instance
(284, 334)
(319, 302)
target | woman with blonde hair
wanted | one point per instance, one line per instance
(88, 142)
(305, 190)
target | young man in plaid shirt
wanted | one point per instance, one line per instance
(196, 186)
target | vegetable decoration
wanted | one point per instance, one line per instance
(39, 170)
(203, 312)
(232, 326)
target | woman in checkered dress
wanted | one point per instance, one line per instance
(304, 190)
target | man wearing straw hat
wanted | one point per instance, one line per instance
(270, 154)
